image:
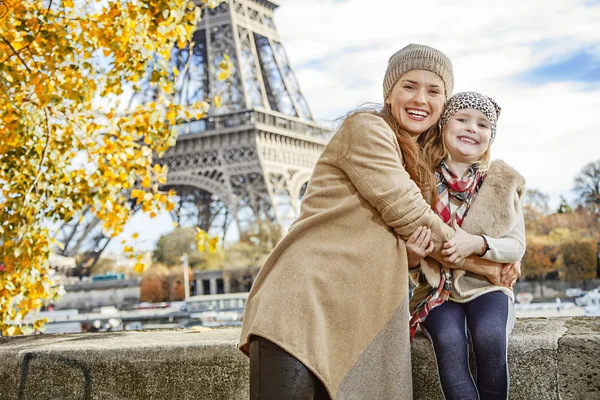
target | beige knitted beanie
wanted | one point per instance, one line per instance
(417, 56)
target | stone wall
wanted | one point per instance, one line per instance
(549, 359)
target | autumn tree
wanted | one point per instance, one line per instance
(535, 209)
(154, 287)
(579, 260)
(68, 143)
(541, 258)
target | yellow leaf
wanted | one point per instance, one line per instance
(217, 101)
(146, 182)
(212, 244)
(171, 116)
(138, 268)
(135, 235)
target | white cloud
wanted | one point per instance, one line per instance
(548, 131)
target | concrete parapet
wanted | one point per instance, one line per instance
(554, 358)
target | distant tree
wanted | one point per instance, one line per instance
(154, 287)
(579, 260)
(177, 284)
(103, 266)
(255, 244)
(587, 185)
(535, 210)
(541, 258)
(564, 206)
(172, 246)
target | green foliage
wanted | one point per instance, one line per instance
(564, 206)
(172, 246)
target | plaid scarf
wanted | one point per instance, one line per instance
(463, 190)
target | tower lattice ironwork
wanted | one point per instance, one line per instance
(251, 158)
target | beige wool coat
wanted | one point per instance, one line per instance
(494, 213)
(334, 291)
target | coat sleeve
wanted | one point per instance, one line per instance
(369, 154)
(511, 247)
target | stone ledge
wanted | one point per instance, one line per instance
(554, 358)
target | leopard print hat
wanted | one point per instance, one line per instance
(475, 100)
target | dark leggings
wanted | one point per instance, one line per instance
(275, 374)
(486, 320)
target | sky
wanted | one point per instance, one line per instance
(539, 59)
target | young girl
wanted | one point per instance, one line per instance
(483, 199)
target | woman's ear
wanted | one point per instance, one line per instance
(387, 100)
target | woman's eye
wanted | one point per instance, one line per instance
(434, 92)
(408, 87)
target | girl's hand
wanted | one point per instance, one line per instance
(461, 246)
(418, 246)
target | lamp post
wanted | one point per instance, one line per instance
(186, 278)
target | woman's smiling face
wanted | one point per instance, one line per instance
(467, 135)
(417, 101)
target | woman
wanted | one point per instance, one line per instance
(484, 198)
(327, 315)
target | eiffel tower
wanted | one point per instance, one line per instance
(251, 158)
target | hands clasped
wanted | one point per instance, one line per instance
(456, 250)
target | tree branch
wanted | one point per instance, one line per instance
(42, 161)
(34, 36)
(15, 52)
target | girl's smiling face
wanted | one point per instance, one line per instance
(467, 135)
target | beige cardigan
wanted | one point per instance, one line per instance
(334, 292)
(495, 212)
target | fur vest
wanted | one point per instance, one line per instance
(493, 213)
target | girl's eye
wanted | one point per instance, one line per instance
(461, 120)
(483, 126)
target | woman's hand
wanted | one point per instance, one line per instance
(461, 246)
(418, 246)
(510, 273)
(494, 275)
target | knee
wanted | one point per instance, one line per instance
(490, 343)
(448, 338)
